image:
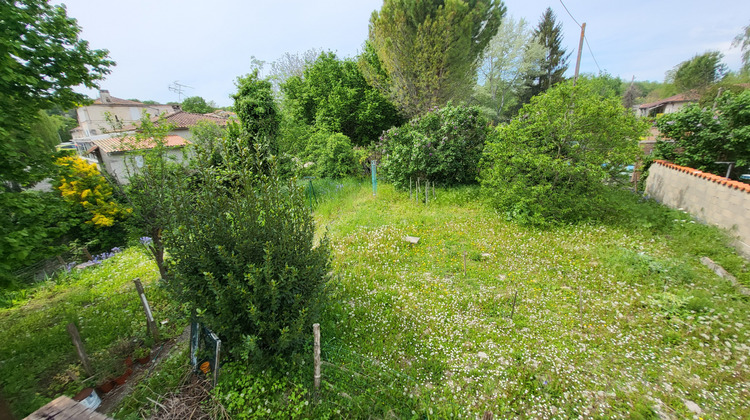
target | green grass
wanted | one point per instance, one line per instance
(614, 318)
(37, 359)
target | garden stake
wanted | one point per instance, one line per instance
(426, 191)
(433, 190)
(464, 263)
(513, 308)
(409, 188)
(149, 316)
(73, 331)
(580, 307)
(316, 354)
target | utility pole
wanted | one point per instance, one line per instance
(580, 49)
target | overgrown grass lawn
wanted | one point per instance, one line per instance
(611, 320)
(37, 359)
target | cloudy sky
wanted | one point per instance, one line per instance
(207, 44)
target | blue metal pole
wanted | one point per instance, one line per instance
(374, 177)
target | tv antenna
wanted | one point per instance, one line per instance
(178, 88)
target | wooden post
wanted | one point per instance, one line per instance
(73, 331)
(464, 263)
(433, 191)
(488, 415)
(580, 307)
(149, 316)
(5, 413)
(513, 308)
(409, 188)
(580, 49)
(316, 354)
(426, 191)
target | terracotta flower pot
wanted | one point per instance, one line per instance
(120, 380)
(129, 361)
(106, 386)
(145, 359)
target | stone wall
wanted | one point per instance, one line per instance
(707, 197)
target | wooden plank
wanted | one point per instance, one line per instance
(64, 408)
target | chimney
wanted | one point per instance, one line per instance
(105, 97)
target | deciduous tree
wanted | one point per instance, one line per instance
(698, 72)
(743, 41)
(41, 61)
(196, 104)
(333, 96)
(512, 53)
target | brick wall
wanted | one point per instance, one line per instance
(707, 197)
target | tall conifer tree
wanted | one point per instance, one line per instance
(423, 53)
(555, 62)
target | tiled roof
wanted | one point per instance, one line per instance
(182, 119)
(117, 144)
(711, 177)
(682, 97)
(117, 101)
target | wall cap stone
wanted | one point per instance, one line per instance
(711, 177)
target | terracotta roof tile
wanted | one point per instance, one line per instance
(682, 97)
(711, 177)
(181, 119)
(117, 144)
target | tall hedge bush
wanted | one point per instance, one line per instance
(443, 146)
(243, 253)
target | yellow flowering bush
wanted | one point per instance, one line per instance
(80, 182)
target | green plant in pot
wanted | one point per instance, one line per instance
(142, 354)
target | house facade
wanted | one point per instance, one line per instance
(123, 156)
(93, 123)
(668, 105)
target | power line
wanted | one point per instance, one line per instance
(571, 16)
(592, 54)
(584, 38)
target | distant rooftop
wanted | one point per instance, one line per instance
(124, 144)
(682, 97)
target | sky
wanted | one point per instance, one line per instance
(206, 45)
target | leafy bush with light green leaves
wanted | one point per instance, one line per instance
(443, 146)
(550, 164)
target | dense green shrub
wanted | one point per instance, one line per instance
(703, 136)
(550, 163)
(334, 96)
(442, 146)
(243, 253)
(257, 111)
(337, 158)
